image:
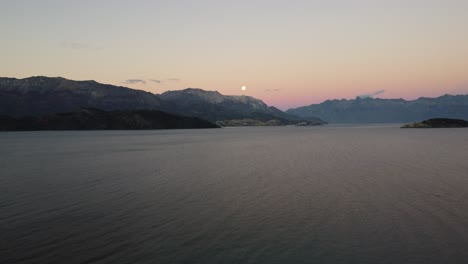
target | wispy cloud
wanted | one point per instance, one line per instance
(78, 46)
(163, 81)
(144, 81)
(135, 81)
(272, 90)
(371, 95)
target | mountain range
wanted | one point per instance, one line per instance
(376, 110)
(45, 95)
(40, 95)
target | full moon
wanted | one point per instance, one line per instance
(243, 88)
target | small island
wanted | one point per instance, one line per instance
(438, 123)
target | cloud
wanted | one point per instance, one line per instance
(78, 46)
(371, 95)
(272, 90)
(162, 81)
(134, 81)
(144, 81)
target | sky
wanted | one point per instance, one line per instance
(287, 53)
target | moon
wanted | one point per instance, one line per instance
(243, 88)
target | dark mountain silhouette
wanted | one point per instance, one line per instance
(43, 95)
(94, 119)
(370, 110)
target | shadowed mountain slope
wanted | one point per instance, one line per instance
(94, 119)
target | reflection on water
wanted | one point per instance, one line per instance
(354, 194)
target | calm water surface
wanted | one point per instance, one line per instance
(353, 194)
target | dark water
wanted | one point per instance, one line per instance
(375, 194)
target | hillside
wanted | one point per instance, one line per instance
(94, 119)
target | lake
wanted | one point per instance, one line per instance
(331, 194)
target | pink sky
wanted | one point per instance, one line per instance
(287, 53)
